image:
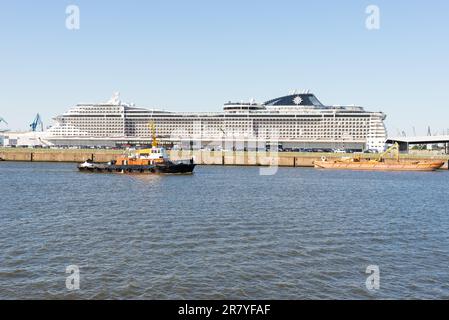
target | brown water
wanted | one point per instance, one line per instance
(224, 232)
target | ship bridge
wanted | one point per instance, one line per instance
(237, 107)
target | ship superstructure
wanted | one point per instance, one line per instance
(298, 120)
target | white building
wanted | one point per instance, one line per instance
(24, 139)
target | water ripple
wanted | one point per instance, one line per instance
(223, 233)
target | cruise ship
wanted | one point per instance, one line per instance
(295, 121)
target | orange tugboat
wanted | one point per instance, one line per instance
(146, 161)
(379, 164)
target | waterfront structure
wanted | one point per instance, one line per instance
(441, 141)
(24, 139)
(298, 120)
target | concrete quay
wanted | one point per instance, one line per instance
(228, 158)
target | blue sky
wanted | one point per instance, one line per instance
(196, 55)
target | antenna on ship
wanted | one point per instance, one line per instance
(115, 99)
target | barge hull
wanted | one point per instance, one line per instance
(432, 166)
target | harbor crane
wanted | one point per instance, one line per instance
(3, 120)
(394, 149)
(37, 122)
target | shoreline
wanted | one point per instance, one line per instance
(223, 158)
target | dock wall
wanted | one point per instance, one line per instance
(56, 156)
(284, 159)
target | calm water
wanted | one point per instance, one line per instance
(225, 232)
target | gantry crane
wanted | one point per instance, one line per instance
(3, 120)
(37, 122)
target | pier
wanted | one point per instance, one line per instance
(220, 158)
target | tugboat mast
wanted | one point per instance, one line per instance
(154, 143)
